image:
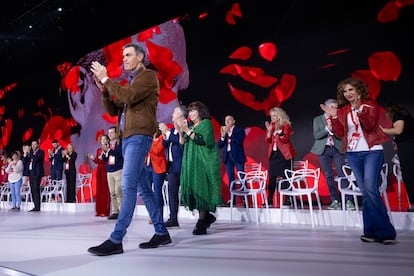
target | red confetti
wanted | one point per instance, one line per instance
(268, 51)
(385, 66)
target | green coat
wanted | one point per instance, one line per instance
(200, 172)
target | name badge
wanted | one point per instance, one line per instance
(354, 141)
(111, 160)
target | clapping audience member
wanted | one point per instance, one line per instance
(34, 160)
(56, 161)
(69, 160)
(281, 150)
(114, 163)
(156, 165)
(356, 122)
(171, 142)
(328, 147)
(402, 132)
(15, 174)
(231, 141)
(102, 199)
(200, 172)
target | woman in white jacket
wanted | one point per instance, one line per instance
(15, 176)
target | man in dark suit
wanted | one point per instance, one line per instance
(174, 148)
(34, 160)
(231, 141)
(56, 160)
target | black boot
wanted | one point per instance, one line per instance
(200, 228)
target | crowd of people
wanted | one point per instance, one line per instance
(139, 154)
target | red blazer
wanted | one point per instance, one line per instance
(283, 142)
(368, 119)
(158, 156)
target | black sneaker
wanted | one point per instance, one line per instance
(366, 238)
(156, 240)
(210, 219)
(113, 216)
(172, 223)
(388, 241)
(200, 228)
(106, 248)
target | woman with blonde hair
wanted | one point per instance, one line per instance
(281, 150)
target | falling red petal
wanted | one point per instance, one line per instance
(71, 80)
(390, 12)
(385, 65)
(328, 65)
(20, 113)
(166, 95)
(27, 135)
(6, 131)
(110, 119)
(374, 85)
(112, 51)
(230, 69)
(2, 110)
(235, 9)
(243, 53)
(255, 75)
(268, 51)
(202, 16)
(98, 134)
(246, 98)
(286, 86)
(230, 18)
(404, 3)
(337, 52)
(114, 70)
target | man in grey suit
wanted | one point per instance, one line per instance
(329, 149)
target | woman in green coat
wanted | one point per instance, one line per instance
(200, 178)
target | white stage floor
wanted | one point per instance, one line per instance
(55, 242)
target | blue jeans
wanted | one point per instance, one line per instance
(135, 181)
(366, 166)
(157, 181)
(15, 193)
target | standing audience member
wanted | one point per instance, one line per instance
(114, 163)
(356, 122)
(136, 105)
(402, 132)
(171, 141)
(232, 139)
(34, 157)
(69, 159)
(281, 150)
(3, 165)
(102, 199)
(328, 147)
(15, 175)
(56, 160)
(200, 173)
(26, 172)
(156, 165)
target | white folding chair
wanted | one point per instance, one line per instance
(5, 194)
(249, 184)
(301, 182)
(85, 182)
(396, 170)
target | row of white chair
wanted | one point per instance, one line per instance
(301, 181)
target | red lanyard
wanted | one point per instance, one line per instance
(355, 120)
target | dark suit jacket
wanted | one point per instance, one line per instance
(57, 160)
(176, 150)
(236, 145)
(36, 159)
